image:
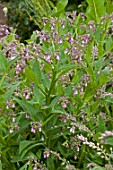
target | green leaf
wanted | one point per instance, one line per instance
(3, 62)
(38, 96)
(39, 153)
(46, 81)
(30, 167)
(95, 9)
(50, 164)
(36, 70)
(111, 155)
(24, 167)
(61, 5)
(109, 6)
(28, 107)
(24, 144)
(95, 105)
(54, 102)
(23, 126)
(0, 165)
(89, 92)
(98, 168)
(61, 149)
(47, 120)
(64, 70)
(104, 76)
(109, 141)
(101, 125)
(98, 65)
(98, 34)
(109, 44)
(89, 53)
(31, 76)
(27, 149)
(9, 93)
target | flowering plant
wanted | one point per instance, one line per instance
(56, 96)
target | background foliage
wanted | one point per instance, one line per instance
(19, 18)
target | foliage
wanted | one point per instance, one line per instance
(25, 18)
(98, 8)
(93, 10)
(19, 19)
(56, 96)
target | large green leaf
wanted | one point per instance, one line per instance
(27, 149)
(24, 144)
(95, 10)
(50, 164)
(101, 125)
(29, 108)
(109, 44)
(31, 76)
(109, 141)
(109, 6)
(61, 4)
(3, 62)
(9, 93)
(104, 77)
(36, 70)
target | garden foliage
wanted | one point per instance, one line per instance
(56, 96)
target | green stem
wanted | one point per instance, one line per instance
(2, 79)
(82, 155)
(52, 86)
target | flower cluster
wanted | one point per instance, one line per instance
(36, 126)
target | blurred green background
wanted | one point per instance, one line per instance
(21, 17)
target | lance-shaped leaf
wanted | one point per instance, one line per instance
(95, 10)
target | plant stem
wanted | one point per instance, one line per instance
(82, 155)
(52, 86)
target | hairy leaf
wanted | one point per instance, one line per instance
(95, 10)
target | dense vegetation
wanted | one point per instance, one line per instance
(56, 91)
(21, 17)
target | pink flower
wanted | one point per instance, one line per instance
(13, 105)
(27, 97)
(27, 116)
(64, 105)
(33, 130)
(72, 130)
(57, 57)
(59, 41)
(39, 128)
(11, 130)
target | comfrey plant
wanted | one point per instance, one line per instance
(56, 96)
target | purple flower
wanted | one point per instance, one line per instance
(72, 130)
(39, 128)
(13, 119)
(95, 51)
(33, 130)
(11, 130)
(75, 92)
(13, 105)
(70, 40)
(57, 57)
(64, 105)
(48, 58)
(27, 116)
(59, 41)
(27, 97)
(47, 153)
